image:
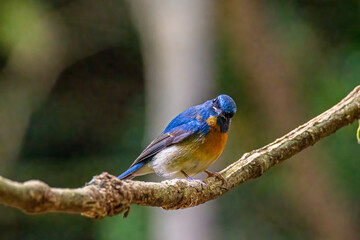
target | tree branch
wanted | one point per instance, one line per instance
(105, 195)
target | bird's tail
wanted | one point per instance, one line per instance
(128, 174)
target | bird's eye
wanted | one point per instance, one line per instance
(214, 100)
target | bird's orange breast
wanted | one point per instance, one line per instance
(195, 157)
(214, 141)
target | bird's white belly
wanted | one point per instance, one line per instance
(174, 159)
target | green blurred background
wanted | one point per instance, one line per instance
(74, 96)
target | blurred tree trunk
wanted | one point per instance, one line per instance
(177, 46)
(274, 79)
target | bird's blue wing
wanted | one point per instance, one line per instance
(169, 138)
(177, 135)
(180, 128)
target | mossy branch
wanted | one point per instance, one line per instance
(105, 195)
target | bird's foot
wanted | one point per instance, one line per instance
(196, 180)
(190, 179)
(216, 174)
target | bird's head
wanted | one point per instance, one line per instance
(225, 108)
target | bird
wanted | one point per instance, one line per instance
(190, 143)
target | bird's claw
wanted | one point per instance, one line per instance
(216, 174)
(190, 179)
(197, 180)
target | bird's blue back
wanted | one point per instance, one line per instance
(192, 119)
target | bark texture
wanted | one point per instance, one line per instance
(105, 195)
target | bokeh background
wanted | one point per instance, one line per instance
(86, 84)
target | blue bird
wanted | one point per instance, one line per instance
(189, 144)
